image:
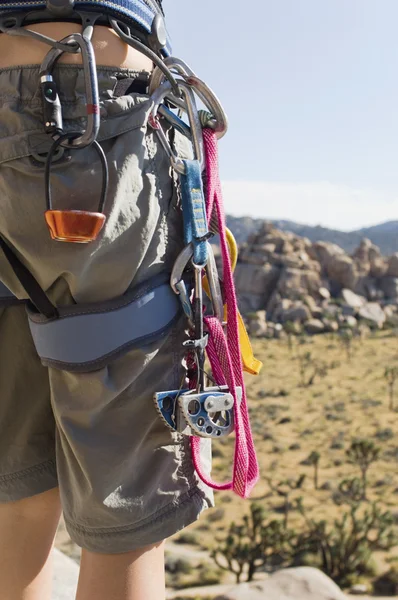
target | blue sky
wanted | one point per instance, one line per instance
(311, 90)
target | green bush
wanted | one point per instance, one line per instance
(253, 544)
(187, 537)
(347, 545)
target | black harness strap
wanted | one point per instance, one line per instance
(37, 296)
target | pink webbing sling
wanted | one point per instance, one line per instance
(223, 348)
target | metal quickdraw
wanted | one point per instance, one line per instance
(201, 411)
(204, 411)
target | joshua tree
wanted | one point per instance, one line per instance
(284, 489)
(310, 369)
(346, 339)
(391, 374)
(350, 492)
(313, 460)
(363, 453)
(346, 546)
(253, 544)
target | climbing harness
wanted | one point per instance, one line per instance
(211, 402)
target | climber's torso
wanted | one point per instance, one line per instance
(110, 50)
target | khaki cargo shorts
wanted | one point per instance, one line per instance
(126, 481)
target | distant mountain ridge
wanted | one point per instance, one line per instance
(384, 235)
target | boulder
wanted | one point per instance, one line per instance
(298, 313)
(258, 324)
(348, 311)
(342, 271)
(279, 333)
(331, 326)
(310, 302)
(254, 285)
(314, 326)
(362, 252)
(367, 287)
(389, 287)
(352, 299)
(270, 333)
(324, 293)
(317, 313)
(323, 252)
(393, 265)
(359, 589)
(373, 314)
(301, 583)
(378, 267)
(349, 322)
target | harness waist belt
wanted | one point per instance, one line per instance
(86, 336)
(139, 14)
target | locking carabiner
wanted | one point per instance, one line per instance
(52, 106)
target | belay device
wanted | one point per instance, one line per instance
(207, 405)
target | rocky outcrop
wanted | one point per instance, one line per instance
(316, 286)
(302, 583)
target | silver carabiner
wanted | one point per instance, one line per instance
(173, 64)
(214, 285)
(211, 102)
(188, 104)
(194, 121)
(91, 86)
(183, 259)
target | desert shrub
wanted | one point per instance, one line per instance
(187, 537)
(178, 566)
(216, 514)
(310, 368)
(350, 491)
(284, 489)
(363, 453)
(384, 435)
(346, 546)
(253, 544)
(226, 499)
(391, 375)
(208, 574)
(313, 461)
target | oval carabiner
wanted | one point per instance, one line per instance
(211, 102)
(78, 226)
(173, 64)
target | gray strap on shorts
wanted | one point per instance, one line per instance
(86, 336)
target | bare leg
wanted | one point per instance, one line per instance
(135, 575)
(27, 530)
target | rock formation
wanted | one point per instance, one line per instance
(316, 286)
(302, 583)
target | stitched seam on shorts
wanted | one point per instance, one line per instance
(47, 466)
(161, 515)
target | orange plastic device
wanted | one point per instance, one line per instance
(78, 226)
